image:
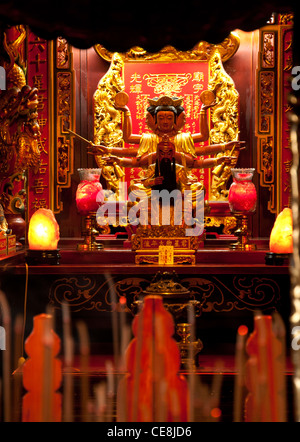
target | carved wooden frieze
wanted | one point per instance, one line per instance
(216, 293)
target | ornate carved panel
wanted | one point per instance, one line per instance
(64, 116)
(50, 71)
(272, 129)
(216, 293)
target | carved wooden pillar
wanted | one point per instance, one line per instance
(19, 150)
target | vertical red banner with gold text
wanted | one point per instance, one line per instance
(286, 154)
(148, 80)
(38, 194)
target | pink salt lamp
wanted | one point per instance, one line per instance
(43, 233)
(281, 238)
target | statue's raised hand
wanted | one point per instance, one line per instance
(111, 160)
(97, 149)
(236, 144)
(120, 101)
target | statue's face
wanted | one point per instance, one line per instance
(165, 121)
(166, 152)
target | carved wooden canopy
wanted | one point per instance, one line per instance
(122, 24)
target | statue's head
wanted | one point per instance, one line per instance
(165, 113)
(166, 152)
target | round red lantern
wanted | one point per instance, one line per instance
(89, 196)
(242, 198)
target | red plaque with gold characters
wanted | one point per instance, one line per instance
(148, 80)
(39, 189)
(286, 154)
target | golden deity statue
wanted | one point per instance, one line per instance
(166, 156)
(165, 118)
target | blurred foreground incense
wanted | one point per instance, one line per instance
(42, 373)
(265, 374)
(152, 390)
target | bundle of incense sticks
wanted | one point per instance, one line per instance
(152, 390)
(260, 362)
(240, 363)
(265, 373)
(6, 341)
(206, 399)
(295, 258)
(68, 412)
(42, 373)
(84, 368)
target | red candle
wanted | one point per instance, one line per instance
(153, 390)
(89, 192)
(242, 195)
(42, 373)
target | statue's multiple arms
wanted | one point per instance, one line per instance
(203, 135)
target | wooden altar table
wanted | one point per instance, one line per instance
(232, 286)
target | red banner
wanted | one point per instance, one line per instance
(38, 195)
(148, 80)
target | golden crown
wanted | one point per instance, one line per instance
(165, 101)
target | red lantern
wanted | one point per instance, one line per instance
(242, 199)
(242, 195)
(89, 196)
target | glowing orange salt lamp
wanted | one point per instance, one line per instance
(43, 237)
(265, 374)
(281, 239)
(43, 233)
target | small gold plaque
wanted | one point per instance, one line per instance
(166, 255)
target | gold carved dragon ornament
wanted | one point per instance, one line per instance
(19, 128)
